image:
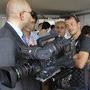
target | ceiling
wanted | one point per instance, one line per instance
(54, 6)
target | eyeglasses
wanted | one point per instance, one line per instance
(33, 14)
(28, 12)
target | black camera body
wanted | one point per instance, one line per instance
(43, 62)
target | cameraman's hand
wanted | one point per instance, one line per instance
(81, 59)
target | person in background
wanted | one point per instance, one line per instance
(60, 28)
(29, 32)
(59, 34)
(52, 26)
(79, 80)
(40, 26)
(19, 15)
(86, 30)
(53, 31)
(45, 29)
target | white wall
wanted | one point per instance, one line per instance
(85, 20)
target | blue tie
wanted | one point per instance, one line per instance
(24, 39)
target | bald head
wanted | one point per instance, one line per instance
(16, 6)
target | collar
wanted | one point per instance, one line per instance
(18, 30)
(80, 37)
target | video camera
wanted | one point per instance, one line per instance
(43, 62)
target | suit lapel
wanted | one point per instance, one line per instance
(16, 36)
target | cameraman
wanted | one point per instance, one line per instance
(79, 79)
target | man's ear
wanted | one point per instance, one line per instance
(78, 23)
(22, 16)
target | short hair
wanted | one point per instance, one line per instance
(60, 23)
(85, 30)
(52, 26)
(45, 25)
(72, 16)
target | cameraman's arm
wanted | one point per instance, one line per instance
(81, 59)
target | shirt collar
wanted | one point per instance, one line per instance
(18, 30)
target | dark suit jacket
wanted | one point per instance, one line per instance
(8, 49)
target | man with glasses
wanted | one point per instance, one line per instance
(19, 15)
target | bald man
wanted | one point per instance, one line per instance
(18, 16)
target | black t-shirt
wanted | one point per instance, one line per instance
(80, 77)
(83, 43)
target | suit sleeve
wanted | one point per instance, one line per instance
(7, 56)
